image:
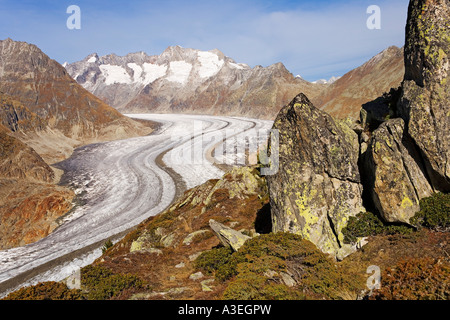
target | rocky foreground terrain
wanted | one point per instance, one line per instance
(45, 114)
(348, 197)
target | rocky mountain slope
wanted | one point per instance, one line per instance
(30, 203)
(72, 114)
(345, 97)
(182, 80)
(295, 238)
(44, 115)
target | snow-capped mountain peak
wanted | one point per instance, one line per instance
(184, 78)
(329, 81)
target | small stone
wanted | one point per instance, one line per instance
(287, 279)
(196, 276)
(167, 241)
(194, 256)
(180, 265)
(206, 285)
(270, 274)
(188, 240)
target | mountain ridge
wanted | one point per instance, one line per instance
(44, 115)
(180, 78)
(344, 97)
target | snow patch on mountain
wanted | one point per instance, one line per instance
(115, 74)
(240, 66)
(137, 71)
(210, 64)
(329, 81)
(92, 59)
(153, 72)
(179, 71)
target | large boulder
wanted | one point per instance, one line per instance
(425, 97)
(396, 179)
(317, 187)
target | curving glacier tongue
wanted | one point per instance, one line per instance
(119, 184)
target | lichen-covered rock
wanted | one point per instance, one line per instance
(317, 187)
(240, 182)
(397, 181)
(190, 237)
(425, 98)
(144, 243)
(229, 237)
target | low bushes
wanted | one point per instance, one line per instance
(260, 268)
(434, 212)
(46, 291)
(212, 260)
(368, 224)
(415, 279)
(102, 284)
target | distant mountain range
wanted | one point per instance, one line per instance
(63, 109)
(182, 80)
(329, 81)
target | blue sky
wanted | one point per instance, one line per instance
(313, 38)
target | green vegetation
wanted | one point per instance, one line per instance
(434, 212)
(252, 286)
(46, 291)
(277, 266)
(415, 279)
(368, 224)
(98, 283)
(102, 284)
(212, 260)
(108, 244)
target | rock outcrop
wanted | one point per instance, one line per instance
(397, 179)
(425, 99)
(408, 158)
(228, 236)
(317, 187)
